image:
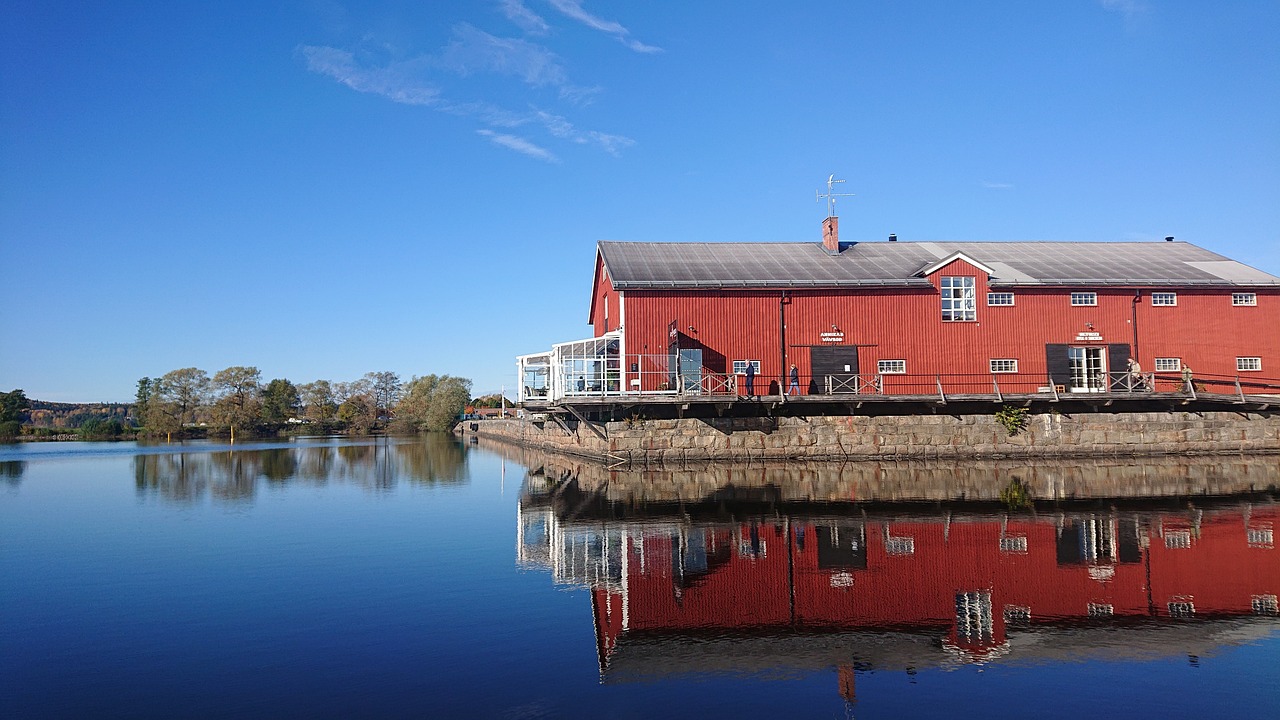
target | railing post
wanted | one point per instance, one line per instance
(1239, 390)
(1053, 388)
(942, 395)
(996, 386)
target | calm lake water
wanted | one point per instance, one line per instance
(425, 578)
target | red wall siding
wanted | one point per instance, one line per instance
(1204, 329)
(602, 295)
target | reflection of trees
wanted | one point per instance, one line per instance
(186, 477)
(315, 464)
(437, 458)
(235, 475)
(279, 465)
(11, 471)
(177, 478)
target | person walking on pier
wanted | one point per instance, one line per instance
(794, 388)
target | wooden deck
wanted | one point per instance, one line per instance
(655, 406)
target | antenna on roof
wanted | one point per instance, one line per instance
(832, 195)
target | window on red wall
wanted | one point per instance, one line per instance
(959, 298)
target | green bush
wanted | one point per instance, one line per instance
(101, 429)
(10, 430)
(1014, 419)
(1016, 495)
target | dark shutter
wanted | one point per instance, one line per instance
(827, 360)
(842, 548)
(1069, 544)
(1058, 364)
(1130, 543)
(1117, 357)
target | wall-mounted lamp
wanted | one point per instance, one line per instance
(1088, 326)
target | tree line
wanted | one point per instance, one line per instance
(236, 398)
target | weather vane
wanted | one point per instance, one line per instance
(832, 195)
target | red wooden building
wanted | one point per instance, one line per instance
(921, 592)
(901, 317)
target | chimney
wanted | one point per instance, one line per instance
(1168, 238)
(831, 235)
(893, 237)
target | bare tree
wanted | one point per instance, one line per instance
(385, 387)
(238, 389)
(184, 391)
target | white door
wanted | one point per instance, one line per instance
(1088, 369)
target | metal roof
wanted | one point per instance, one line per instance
(871, 264)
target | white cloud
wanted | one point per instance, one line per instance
(573, 9)
(560, 127)
(526, 19)
(396, 81)
(520, 145)
(1128, 8)
(473, 50)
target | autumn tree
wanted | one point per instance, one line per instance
(176, 397)
(358, 413)
(280, 401)
(238, 389)
(433, 402)
(318, 400)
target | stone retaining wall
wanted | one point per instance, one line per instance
(862, 437)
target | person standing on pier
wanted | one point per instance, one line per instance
(751, 379)
(1136, 381)
(794, 388)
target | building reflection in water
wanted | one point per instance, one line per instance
(718, 578)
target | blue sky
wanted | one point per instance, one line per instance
(324, 189)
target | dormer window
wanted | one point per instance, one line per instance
(959, 298)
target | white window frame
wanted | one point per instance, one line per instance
(1164, 299)
(884, 367)
(1013, 368)
(959, 298)
(1168, 364)
(1084, 299)
(1013, 544)
(740, 366)
(1182, 606)
(1248, 364)
(1100, 610)
(1243, 299)
(1017, 614)
(904, 545)
(1264, 604)
(1002, 296)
